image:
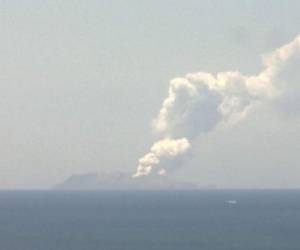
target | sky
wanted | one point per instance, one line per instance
(82, 81)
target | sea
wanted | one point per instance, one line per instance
(150, 220)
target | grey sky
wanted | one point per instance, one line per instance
(81, 82)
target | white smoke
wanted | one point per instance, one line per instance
(199, 102)
(163, 149)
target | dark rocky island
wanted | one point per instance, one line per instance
(121, 181)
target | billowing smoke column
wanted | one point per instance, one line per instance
(199, 102)
(165, 148)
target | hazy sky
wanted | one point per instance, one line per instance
(81, 82)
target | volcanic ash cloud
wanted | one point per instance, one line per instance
(200, 101)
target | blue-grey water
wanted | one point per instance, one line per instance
(177, 220)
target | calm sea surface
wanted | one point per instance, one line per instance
(185, 220)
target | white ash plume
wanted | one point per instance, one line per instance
(199, 102)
